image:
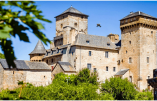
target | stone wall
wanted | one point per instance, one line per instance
(97, 60)
(11, 78)
(57, 70)
(39, 78)
(1, 77)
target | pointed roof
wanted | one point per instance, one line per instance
(132, 14)
(39, 48)
(72, 10)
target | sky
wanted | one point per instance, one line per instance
(107, 13)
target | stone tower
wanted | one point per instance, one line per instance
(68, 24)
(138, 47)
(38, 53)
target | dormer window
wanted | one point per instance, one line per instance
(126, 20)
(130, 19)
(87, 41)
(108, 44)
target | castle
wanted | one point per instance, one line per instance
(132, 57)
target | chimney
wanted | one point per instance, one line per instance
(113, 37)
(131, 12)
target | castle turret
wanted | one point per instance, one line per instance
(68, 24)
(38, 52)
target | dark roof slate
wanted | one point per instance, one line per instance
(39, 48)
(66, 66)
(72, 10)
(121, 72)
(94, 41)
(21, 64)
(136, 14)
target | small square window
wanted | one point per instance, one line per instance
(106, 68)
(89, 66)
(151, 32)
(114, 69)
(130, 42)
(90, 53)
(95, 69)
(87, 41)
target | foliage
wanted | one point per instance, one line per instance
(2, 56)
(78, 87)
(145, 95)
(121, 89)
(13, 23)
(86, 76)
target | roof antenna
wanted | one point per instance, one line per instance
(139, 12)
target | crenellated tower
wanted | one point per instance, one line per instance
(138, 47)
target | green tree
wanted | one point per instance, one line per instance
(2, 56)
(12, 23)
(145, 95)
(121, 89)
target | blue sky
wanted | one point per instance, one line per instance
(107, 13)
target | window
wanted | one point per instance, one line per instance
(13, 72)
(89, 66)
(87, 41)
(82, 17)
(130, 42)
(130, 60)
(106, 54)
(44, 76)
(75, 24)
(94, 70)
(52, 60)
(63, 16)
(147, 59)
(61, 25)
(148, 77)
(151, 32)
(72, 53)
(106, 68)
(134, 18)
(90, 53)
(108, 44)
(130, 33)
(126, 52)
(47, 61)
(39, 60)
(130, 19)
(126, 20)
(130, 78)
(145, 18)
(114, 69)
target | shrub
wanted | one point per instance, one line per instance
(145, 95)
(121, 89)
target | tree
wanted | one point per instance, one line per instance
(121, 89)
(13, 23)
(2, 56)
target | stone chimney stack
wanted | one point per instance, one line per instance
(113, 37)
